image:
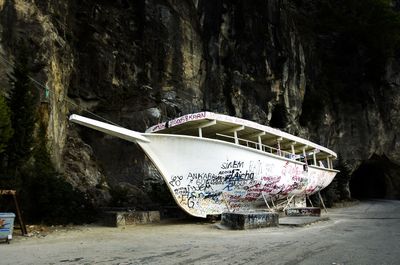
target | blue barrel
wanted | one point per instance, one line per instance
(6, 226)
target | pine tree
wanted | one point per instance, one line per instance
(23, 106)
(6, 130)
(45, 194)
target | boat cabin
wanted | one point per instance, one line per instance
(249, 134)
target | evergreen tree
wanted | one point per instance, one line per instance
(23, 106)
(45, 194)
(6, 130)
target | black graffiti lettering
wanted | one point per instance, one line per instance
(191, 202)
(201, 187)
(238, 175)
(238, 179)
(181, 191)
(200, 177)
(175, 181)
(214, 196)
(232, 164)
(217, 180)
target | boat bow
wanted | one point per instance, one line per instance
(117, 131)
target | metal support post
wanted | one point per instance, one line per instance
(308, 198)
(266, 201)
(322, 201)
(287, 204)
(226, 203)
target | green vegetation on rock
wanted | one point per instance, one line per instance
(26, 163)
(6, 130)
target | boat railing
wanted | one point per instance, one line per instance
(255, 145)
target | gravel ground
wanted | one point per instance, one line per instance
(366, 233)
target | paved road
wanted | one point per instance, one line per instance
(367, 233)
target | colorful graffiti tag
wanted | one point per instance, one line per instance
(237, 184)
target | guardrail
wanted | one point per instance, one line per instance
(255, 145)
(275, 151)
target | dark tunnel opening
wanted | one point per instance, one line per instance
(279, 118)
(369, 181)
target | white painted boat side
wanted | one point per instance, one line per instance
(208, 177)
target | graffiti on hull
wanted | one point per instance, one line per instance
(238, 185)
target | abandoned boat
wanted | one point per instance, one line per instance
(214, 163)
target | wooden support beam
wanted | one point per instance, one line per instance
(207, 124)
(236, 137)
(255, 135)
(304, 152)
(279, 145)
(259, 142)
(292, 146)
(315, 158)
(322, 201)
(234, 129)
(13, 193)
(204, 125)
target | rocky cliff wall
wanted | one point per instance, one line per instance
(137, 63)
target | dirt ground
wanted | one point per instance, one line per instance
(366, 233)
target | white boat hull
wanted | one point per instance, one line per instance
(208, 177)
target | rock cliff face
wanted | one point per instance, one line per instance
(137, 63)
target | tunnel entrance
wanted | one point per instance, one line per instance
(278, 118)
(369, 180)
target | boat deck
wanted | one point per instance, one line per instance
(250, 134)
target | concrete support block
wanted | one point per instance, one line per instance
(247, 220)
(303, 211)
(115, 219)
